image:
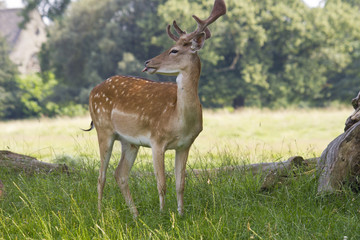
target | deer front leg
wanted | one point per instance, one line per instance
(128, 156)
(106, 142)
(159, 169)
(180, 166)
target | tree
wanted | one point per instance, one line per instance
(96, 40)
(9, 91)
(353, 3)
(342, 50)
(263, 53)
(50, 9)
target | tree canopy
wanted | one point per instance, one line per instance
(50, 9)
(268, 53)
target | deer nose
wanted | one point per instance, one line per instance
(147, 62)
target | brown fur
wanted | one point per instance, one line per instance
(162, 116)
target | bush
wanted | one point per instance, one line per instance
(35, 92)
(36, 98)
(72, 110)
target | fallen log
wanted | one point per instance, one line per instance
(273, 171)
(255, 168)
(340, 161)
(18, 162)
(275, 175)
(27, 164)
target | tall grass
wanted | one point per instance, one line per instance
(223, 206)
(226, 206)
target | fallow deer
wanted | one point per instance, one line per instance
(159, 115)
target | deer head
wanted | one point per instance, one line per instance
(185, 44)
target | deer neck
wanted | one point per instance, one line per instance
(188, 102)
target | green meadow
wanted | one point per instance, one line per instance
(229, 205)
(251, 131)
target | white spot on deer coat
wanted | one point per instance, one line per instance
(165, 109)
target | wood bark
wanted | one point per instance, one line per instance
(28, 164)
(273, 171)
(355, 116)
(255, 168)
(340, 161)
(23, 163)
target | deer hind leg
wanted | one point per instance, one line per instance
(128, 155)
(106, 142)
(180, 166)
(159, 169)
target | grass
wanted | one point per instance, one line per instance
(254, 132)
(225, 206)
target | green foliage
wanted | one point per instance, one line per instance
(343, 51)
(50, 9)
(93, 42)
(262, 53)
(72, 109)
(34, 95)
(9, 91)
(282, 53)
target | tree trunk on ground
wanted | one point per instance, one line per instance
(340, 161)
(22, 163)
(273, 171)
(255, 168)
(19, 162)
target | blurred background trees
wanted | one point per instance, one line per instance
(268, 53)
(9, 90)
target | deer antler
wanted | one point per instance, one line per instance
(218, 10)
(171, 35)
(177, 29)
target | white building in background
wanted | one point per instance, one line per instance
(24, 43)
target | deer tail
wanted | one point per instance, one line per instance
(91, 127)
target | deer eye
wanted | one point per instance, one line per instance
(174, 51)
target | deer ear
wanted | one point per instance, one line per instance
(198, 42)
